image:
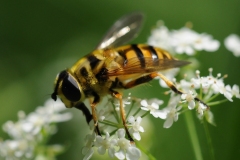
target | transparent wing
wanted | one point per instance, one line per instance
(122, 31)
(133, 66)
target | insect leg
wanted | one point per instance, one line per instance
(86, 112)
(140, 80)
(122, 112)
(94, 114)
(151, 76)
(172, 87)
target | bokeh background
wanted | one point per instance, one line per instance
(40, 38)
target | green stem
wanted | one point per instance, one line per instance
(213, 97)
(115, 112)
(193, 135)
(130, 109)
(200, 92)
(209, 140)
(150, 156)
(217, 102)
(113, 132)
(147, 113)
(137, 112)
(207, 95)
(109, 123)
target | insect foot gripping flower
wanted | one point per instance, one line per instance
(189, 97)
(30, 133)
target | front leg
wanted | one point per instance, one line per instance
(84, 109)
(122, 112)
(93, 105)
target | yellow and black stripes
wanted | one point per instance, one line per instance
(152, 51)
(144, 53)
(139, 54)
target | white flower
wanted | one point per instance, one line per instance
(171, 111)
(203, 82)
(31, 130)
(187, 41)
(226, 91)
(205, 42)
(235, 91)
(189, 97)
(160, 37)
(87, 150)
(28, 127)
(16, 149)
(153, 107)
(136, 127)
(132, 153)
(172, 115)
(105, 144)
(182, 40)
(232, 43)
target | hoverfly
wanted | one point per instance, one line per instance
(111, 68)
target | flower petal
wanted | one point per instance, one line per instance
(111, 152)
(101, 150)
(137, 136)
(120, 154)
(133, 153)
(89, 154)
(168, 123)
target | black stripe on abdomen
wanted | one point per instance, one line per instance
(153, 52)
(139, 54)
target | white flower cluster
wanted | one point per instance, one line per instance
(115, 143)
(207, 88)
(31, 130)
(210, 87)
(182, 41)
(118, 147)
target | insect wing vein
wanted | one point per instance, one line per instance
(133, 66)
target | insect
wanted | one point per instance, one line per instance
(111, 68)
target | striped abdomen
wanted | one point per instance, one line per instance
(145, 54)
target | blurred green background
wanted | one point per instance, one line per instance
(40, 38)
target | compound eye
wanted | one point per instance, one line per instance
(70, 89)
